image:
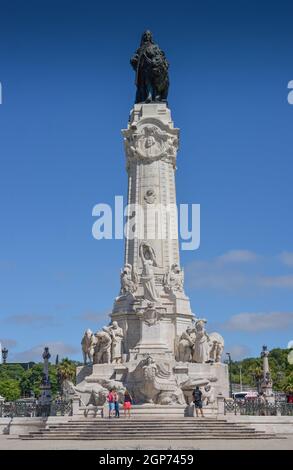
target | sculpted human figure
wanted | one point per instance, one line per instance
(216, 347)
(116, 334)
(129, 280)
(209, 394)
(201, 351)
(148, 258)
(174, 279)
(185, 346)
(88, 344)
(151, 68)
(103, 348)
(149, 375)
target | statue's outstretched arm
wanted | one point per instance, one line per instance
(134, 60)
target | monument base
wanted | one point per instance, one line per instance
(171, 384)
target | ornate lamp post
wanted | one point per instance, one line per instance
(46, 397)
(240, 377)
(4, 355)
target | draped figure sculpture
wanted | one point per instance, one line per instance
(148, 258)
(201, 351)
(116, 334)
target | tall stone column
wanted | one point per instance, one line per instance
(46, 396)
(266, 383)
(152, 278)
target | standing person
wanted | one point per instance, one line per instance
(127, 403)
(290, 398)
(110, 399)
(262, 401)
(197, 394)
(116, 404)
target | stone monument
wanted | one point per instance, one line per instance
(46, 395)
(154, 345)
(266, 383)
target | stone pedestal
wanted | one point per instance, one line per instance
(45, 387)
(151, 334)
(267, 383)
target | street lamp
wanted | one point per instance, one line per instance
(4, 355)
(230, 373)
(256, 376)
(240, 377)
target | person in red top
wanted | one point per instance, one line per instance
(127, 403)
(110, 399)
(290, 398)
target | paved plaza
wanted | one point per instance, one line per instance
(13, 443)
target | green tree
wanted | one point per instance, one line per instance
(32, 380)
(66, 370)
(287, 384)
(251, 367)
(10, 389)
(11, 371)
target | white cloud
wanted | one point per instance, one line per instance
(34, 354)
(8, 342)
(237, 270)
(237, 256)
(277, 281)
(31, 319)
(237, 351)
(224, 272)
(200, 278)
(94, 317)
(254, 322)
(286, 257)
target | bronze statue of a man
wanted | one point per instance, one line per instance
(151, 67)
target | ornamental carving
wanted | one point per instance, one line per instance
(151, 316)
(150, 196)
(149, 143)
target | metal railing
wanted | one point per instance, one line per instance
(19, 408)
(258, 408)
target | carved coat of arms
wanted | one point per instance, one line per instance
(149, 143)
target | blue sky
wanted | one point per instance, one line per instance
(67, 91)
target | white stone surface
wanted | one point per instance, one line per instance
(269, 424)
(152, 310)
(6, 442)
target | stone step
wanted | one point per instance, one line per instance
(47, 432)
(147, 420)
(147, 437)
(131, 431)
(120, 424)
(187, 429)
(139, 431)
(132, 436)
(162, 429)
(119, 421)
